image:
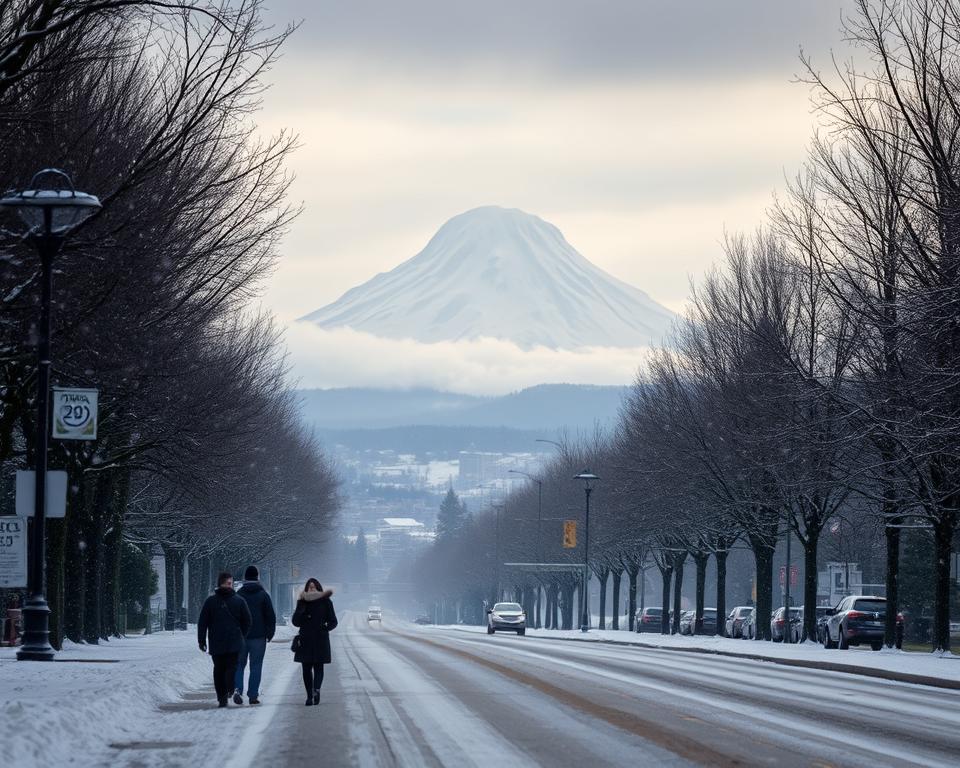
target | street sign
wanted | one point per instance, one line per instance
(13, 552)
(569, 534)
(74, 414)
(56, 499)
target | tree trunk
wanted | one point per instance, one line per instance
(721, 556)
(632, 597)
(615, 612)
(678, 561)
(666, 573)
(602, 577)
(700, 559)
(943, 529)
(763, 555)
(810, 546)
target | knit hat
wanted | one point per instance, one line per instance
(251, 574)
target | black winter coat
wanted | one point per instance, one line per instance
(261, 609)
(315, 618)
(227, 619)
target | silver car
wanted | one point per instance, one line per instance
(734, 623)
(507, 616)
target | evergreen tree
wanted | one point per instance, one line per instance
(451, 517)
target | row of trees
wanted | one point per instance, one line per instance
(200, 450)
(816, 375)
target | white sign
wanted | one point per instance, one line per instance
(74, 414)
(13, 552)
(56, 498)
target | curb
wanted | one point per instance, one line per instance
(825, 666)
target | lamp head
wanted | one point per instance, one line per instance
(588, 478)
(67, 208)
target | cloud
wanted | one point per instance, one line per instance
(347, 358)
(568, 39)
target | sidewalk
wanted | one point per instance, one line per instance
(139, 701)
(941, 671)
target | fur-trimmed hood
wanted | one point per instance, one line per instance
(311, 596)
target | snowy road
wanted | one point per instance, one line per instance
(402, 695)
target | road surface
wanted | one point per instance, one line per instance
(403, 695)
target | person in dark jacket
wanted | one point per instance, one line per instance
(226, 618)
(261, 632)
(316, 618)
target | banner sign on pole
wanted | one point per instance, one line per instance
(56, 497)
(13, 552)
(569, 534)
(74, 414)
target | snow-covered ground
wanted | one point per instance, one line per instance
(945, 667)
(125, 702)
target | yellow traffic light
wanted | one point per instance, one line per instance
(569, 534)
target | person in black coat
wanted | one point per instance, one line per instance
(316, 618)
(261, 632)
(226, 619)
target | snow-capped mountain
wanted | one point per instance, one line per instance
(500, 273)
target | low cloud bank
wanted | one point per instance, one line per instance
(343, 357)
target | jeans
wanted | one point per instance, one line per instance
(224, 670)
(255, 648)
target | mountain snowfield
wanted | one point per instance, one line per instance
(503, 274)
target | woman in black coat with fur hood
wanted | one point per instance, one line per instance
(315, 617)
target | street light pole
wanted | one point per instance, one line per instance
(51, 214)
(588, 479)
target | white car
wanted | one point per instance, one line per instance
(507, 616)
(374, 613)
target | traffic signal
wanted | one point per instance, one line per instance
(569, 534)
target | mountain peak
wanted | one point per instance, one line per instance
(500, 273)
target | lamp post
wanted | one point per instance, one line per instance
(50, 213)
(588, 480)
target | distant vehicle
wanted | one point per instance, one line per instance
(423, 619)
(778, 624)
(859, 619)
(734, 623)
(748, 629)
(796, 629)
(686, 622)
(649, 620)
(374, 613)
(507, 616)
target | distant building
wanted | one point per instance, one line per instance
(838, 581)
(399, 539)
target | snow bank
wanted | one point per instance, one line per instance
(941, 666)
(69, 712)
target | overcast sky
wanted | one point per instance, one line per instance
(641, 128)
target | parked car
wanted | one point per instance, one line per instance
(374, 613)
(686, 623)
(423, 619)
(506, 616)
(859, 619)
(748, 629)
(709, 625)
(735, 619)
(649, 620)
(796, 629)
(778, 623)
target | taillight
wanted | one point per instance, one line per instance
(779, 622)
(900, 617)
(856, 615)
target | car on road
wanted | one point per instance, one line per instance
(374, 613)
(858, 619)
(735, 619)
(796, 629)
(506, 616)
(649, 620)
(778, 623)
(423, 619)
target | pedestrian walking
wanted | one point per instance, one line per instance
(261, 632)
(316, 618)
(226, 619)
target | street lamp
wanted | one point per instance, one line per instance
(51, 213)
(588, 480)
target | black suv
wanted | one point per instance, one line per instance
(859, 619)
